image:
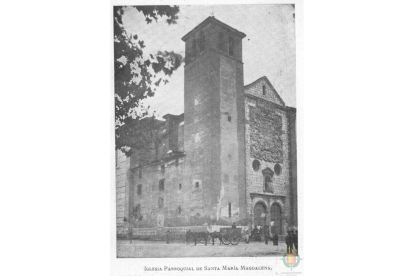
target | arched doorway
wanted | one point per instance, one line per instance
(276, 216)
(259, 214)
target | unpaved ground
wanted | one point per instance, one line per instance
(159, 249)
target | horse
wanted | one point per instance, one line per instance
(196, 235)
(217, 235)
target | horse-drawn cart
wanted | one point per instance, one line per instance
(231, 235)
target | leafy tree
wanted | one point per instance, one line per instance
(137, 77)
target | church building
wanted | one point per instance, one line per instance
(229, 158)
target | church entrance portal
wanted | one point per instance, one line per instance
(276, 216)
(259, 214)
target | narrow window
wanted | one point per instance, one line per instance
(267, 183)
(179, 186)
(179, 209)
(194, 48)
(264, 90)
(140, 174)
(137, 211)
(231, 45)
(229, 118)
(196, 184)
(161, 185)
(229, 209)
(161, 202)
(221, 42)
(139, 189)
(201, 41)
(162, 168)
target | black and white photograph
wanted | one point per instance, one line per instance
(205, 131)
(194, 137)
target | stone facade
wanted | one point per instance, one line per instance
(122, 191)
(199, 171)
(268, 135)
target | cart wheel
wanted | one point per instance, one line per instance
(226, 239)
(234, 239)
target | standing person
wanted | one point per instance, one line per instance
(234, 226)
(130, 230)
(247, 237)
(275, 240)
(266, 233)
(289, 242)
(295, 241)
(255, 234)
(273, 233)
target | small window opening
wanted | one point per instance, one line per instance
(229, 209)
(231, 45)
(277, 169)
(229, 118)
(140, 174)
(221, 42)
(179, 209)
(201, 41)
(137, 212)
(179, 186)
(139, 189)
(264, 90)
(197, 184)
(161, 184)
(194, 48)
(267, 183)
(256, 165)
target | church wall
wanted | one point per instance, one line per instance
(293, 164)
(122, 191)
(280, 184)
(168, 207)
(202, 133)
(229, 144)
(226, 127)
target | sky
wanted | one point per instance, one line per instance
(269, 48)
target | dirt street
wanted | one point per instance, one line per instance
(159, 249)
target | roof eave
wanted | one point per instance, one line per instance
(212, 19)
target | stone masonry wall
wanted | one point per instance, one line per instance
(122, 190)
(280, 184)
(229, 196)
(161, 207)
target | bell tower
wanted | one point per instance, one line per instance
(214, 120)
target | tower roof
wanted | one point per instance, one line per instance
(212, 20)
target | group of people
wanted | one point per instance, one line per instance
(271, 234)
(292, 242)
